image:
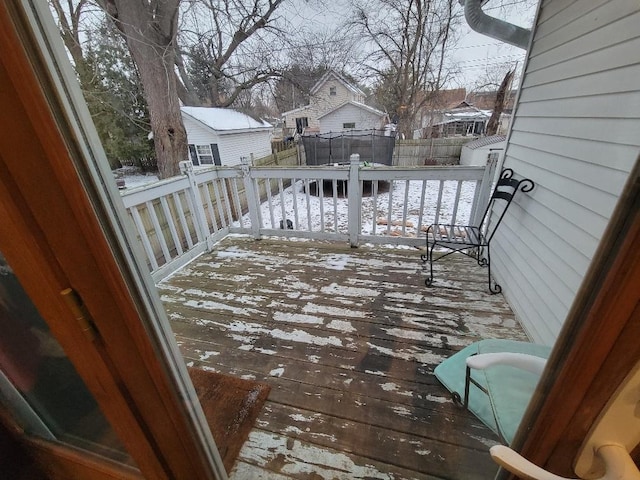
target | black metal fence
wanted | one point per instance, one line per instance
(336, 147)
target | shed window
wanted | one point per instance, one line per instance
(332, 91)
(205, 154)
(349, 126)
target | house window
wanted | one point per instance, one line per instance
(332, 91)
(349, 126)
(205, 154)
(301, 124)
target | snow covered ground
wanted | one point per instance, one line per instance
(405, 196)
(138, 180)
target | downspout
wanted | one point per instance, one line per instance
(494, 27)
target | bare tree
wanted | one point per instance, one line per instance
(227, 48)
(408, 41)
(69, 21)
(150, 29)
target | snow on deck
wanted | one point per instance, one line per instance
(348, 340)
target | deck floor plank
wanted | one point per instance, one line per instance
(348, 339)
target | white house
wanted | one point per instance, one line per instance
(352, 116)
(221, 136)
(335, 105)
(575, 134)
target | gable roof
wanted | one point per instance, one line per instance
(484, 141)
(340, 78)
(359, 105)
(298, 109)
(224, 119)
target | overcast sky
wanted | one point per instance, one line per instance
(474, 53)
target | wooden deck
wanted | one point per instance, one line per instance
(348, 339)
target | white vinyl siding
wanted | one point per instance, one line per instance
(231, 146)
(575, 134)
(198, 134)
(323, 101)
(349, 113)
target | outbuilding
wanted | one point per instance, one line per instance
(477, 151)
(222, 136)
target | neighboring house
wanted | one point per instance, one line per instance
(334, 105)
(462, 120)
(221, 136)
(575, 134)
(456, 112)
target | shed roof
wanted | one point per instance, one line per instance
(224, 119)
(484, 141)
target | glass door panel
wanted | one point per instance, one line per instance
(39, 386)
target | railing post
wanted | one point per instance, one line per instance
(199, 216)
(354, 200)
(253, 197)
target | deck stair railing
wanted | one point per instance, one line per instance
(178, 219)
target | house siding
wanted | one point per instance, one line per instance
(323, 101)
(575, 134)
(364, 119)
(309, 111)
(197, 134)
(231, 146)
(236, 145)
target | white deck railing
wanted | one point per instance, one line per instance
(180, 218)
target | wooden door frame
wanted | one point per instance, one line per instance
(57, 233)
(597, 347)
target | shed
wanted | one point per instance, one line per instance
(477, 151)
(352, 116)
(221, 136)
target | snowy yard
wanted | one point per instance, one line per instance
(417, 198)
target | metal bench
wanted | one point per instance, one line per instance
(474, 241)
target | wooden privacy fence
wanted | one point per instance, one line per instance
(431, 151)
(178, 219)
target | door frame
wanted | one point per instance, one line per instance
(62, 227)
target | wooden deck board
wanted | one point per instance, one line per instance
(348, 339)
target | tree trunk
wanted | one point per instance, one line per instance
(494, 121)
(151, 38)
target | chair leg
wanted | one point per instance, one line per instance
(429, 280)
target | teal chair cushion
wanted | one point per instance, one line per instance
(510, 388)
